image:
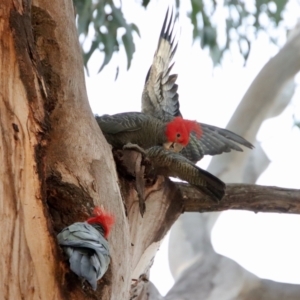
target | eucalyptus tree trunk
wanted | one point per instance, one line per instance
(55, 163)
(56, 166)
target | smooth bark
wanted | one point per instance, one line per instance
(255, 198)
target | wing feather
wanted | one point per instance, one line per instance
(160, 95)
(129, 121)
(173, 164)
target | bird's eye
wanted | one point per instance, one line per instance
(178, 135)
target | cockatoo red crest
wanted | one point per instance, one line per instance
(103, 218)
(179, 129)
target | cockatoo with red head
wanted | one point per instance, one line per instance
(146, 131)
(160, 99)
(86, 245)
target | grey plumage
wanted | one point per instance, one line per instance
(160, 99)
(214, 140)
(174, 164)
(87, 249)
(132, 127)
(137, 128)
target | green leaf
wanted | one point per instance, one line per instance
(108, 43)
(100, 20)
(84, 11)
(145, 3)
(106, 19)
(135, 28)
(129, 48)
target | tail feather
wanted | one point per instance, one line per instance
(213, 186)
(174, 164)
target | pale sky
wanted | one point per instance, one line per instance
(268, 245)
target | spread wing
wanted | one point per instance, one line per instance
(160, 95)
(129, 121)
(160, 99)
(214, 140)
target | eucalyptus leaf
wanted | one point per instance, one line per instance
(101, 21)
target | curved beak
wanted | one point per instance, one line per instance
(174, 147)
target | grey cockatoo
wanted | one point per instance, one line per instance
(155, 137)
(86, 245)
(160, 99)
(146, 131)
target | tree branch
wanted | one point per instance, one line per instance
(256, 198)
(264, 99)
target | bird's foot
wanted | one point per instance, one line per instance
(135, 147)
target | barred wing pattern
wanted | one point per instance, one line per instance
(160, 95)
(214, 140)
(160, 99)
(173, 164)
(87, 249)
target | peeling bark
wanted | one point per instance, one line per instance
(29, 268)
(53, 156)
(57, 165)
(79, 167)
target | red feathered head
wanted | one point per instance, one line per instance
(103, 218)
(179, 129)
